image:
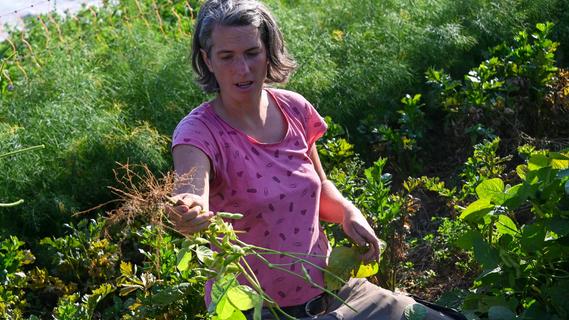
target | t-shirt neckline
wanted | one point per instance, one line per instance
(248, 137)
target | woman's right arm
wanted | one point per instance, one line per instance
(191, 212)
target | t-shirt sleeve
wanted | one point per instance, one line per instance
(193, 131)
(315, 125)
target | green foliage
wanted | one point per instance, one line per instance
(524, 262)
(498, 97)
(483, 164)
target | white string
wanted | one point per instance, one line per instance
(24, 8)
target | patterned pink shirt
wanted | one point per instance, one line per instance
(274, 185)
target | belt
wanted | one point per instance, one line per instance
(311, 309)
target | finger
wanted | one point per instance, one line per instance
(357, 238)
(204, 217)
(372, 254)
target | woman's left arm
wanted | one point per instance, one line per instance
(335, 208)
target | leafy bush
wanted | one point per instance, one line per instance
(520, 239)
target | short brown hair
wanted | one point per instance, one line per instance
(239, 13)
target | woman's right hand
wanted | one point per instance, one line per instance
(187, 215)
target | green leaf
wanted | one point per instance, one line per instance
(567, 188)
(522, 170)
(341, 263)
(505, 225)
(489, 188)
(183, 258)
(559, 225)
(202, 252)
(559, 164)
(477, 210)
(243, 297)
(219, 290)
(485, 254)
(224, 309)
(515, 196)
(533, 237)
(169, 295)
(500, 313)
(538, 161)
(562, 174)
(415, 311)
(466, 240)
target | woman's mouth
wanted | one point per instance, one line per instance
(244, 84)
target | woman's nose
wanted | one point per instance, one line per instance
(242, 65)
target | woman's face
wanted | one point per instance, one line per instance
(238, 59)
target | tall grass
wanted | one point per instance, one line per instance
(109, 85)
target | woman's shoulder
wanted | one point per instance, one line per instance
(288, 96)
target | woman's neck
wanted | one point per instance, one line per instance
(247, 113)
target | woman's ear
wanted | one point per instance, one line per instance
(206, 59)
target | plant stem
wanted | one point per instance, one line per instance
(41, 146)
(11, 204)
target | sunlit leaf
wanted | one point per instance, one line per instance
(183, 258)
(243, 297)
(367, 270)
(492, 189)
(538, 161)
(202, 252)
(477, 210)
(505, 225)
(224, 309)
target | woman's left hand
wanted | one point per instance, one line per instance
(358, 229)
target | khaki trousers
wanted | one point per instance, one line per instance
(372, 303)
(369, 302)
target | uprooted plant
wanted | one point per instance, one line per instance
(219, 252)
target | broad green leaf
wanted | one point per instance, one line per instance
(567, 188)
(477, 210)
(415, 311)
(559, 155)
(224, 309)
(489, 188)
(346, 262)
(219, 290)
(466, 240)
(202, 252)
(516, 195)
(243, 297)
(169, 295)
(505, 225)
(533, 237)
(183, 258)
(522, 170)
(559, 164)
(485, 254)
(538, 161)
(500, 313)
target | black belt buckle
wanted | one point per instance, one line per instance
(315, 306)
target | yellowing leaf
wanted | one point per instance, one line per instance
(345, 263)
(126, 268)
(367, 270)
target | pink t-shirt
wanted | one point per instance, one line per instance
(275, 187)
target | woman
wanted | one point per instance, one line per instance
(252, 150)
